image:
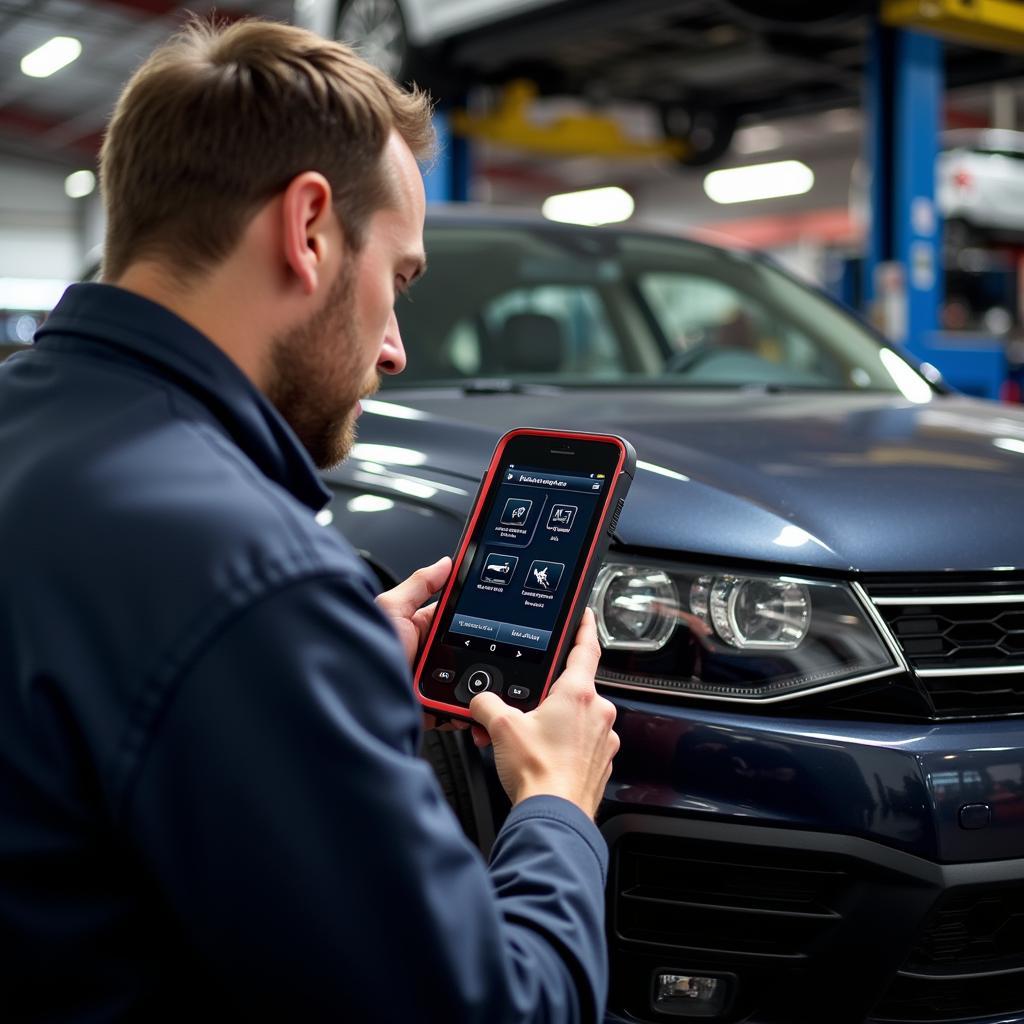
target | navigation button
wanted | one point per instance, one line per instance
(470, 625)
(518, 692)
(524, 636)
(478, 681)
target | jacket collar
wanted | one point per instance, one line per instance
(151, 335)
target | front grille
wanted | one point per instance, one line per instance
(716, 897)
(967, 649)
(968, 961)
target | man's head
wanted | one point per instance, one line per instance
(262, 182)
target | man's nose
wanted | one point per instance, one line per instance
(392, 352)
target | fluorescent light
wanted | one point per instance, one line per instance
(58, 53)
(35, 293)
(591, 206)
(759, 181)
(914, 388)
(758, 138)
(79, 184)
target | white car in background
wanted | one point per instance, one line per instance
(392, 34)
(979, 185)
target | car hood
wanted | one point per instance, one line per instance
(863, 482)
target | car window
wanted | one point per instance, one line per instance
(546, 329)
(545, 303)
(714, 325)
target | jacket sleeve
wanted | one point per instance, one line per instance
(311, 858)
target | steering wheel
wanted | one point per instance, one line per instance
(689, 358)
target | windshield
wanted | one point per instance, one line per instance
(535, 304)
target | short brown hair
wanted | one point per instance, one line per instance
(219, 119)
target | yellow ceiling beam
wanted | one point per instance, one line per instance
(990, 24)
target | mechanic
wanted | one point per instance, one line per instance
(210, 801)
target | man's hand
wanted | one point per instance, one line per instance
(563, 748)
(402, 605)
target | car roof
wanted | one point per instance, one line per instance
(984, 138)
(481, 215)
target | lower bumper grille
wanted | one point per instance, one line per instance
(709, 896)
(968, 961)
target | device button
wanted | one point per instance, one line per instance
(615, 517)
(478, 678)
(443, 675)
(518, 692)
(478, 681)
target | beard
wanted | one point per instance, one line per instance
(316, 378)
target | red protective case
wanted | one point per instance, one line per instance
(623, 476)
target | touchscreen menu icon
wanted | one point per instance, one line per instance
(498, 568)
(544, 576)
(562, 517)
(517, 511)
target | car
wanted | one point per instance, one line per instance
(979, 183)
(812, 614)
(448, 46)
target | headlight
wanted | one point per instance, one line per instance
(752, 613)
(731, 636)
(636, 607)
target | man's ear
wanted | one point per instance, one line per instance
(308, 229)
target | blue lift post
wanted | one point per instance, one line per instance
(903, 269)
(447, 178)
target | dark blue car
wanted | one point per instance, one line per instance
(812, 615)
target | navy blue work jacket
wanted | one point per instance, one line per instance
(210, 802)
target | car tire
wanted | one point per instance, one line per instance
(468, 784)
(376, 30)
(957, 235)
(707, 130)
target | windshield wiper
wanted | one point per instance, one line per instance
(503, 386)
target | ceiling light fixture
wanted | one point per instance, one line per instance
(53, 55)
(759, 181)
(30, 293)
(592, 206)
(758, 138)
(79, 184)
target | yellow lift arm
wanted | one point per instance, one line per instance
(575, 135)
(991, 24)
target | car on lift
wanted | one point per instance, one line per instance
(979, 186)
(700, 66)
(812, 614)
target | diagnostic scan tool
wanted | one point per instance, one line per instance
(541, 523)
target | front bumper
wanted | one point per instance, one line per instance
(821, 864)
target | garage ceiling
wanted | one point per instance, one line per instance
(60, 119)
(662, 52)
